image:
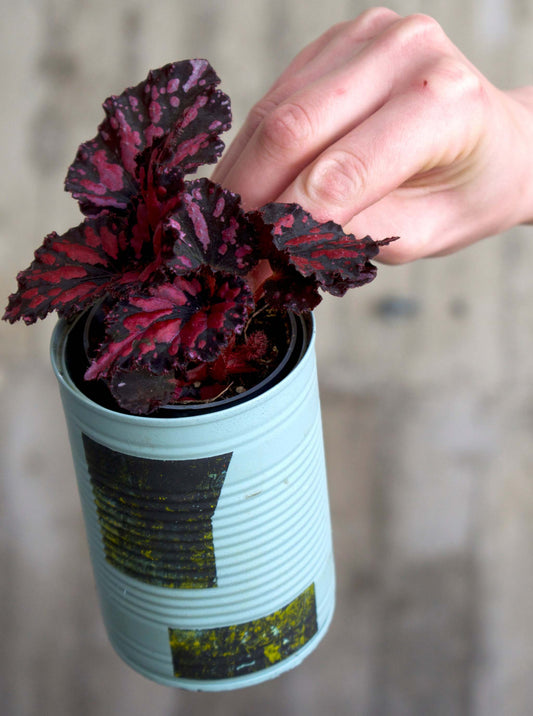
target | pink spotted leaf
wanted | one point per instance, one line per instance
(72, 271)
(209, 228)
(319, 251)
(165, 326)
(177, 111)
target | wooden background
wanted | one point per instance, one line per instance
(427, 387)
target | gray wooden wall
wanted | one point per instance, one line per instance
(427, 386)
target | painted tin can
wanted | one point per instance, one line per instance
(210, 532)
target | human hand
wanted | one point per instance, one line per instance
(382, 125)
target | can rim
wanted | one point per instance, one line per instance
(299, 348)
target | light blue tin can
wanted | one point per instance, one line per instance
(209, 532)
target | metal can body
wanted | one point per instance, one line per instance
(209, 534)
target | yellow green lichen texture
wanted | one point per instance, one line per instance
(231, 651)
(155, 516)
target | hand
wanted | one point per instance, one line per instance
(385, 127)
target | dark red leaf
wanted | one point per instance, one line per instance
(323, 252)
(209, 228)
(199, 382)
(165, 326)
(161, 189)
(141, 392)
(177, 111)
(72, 271)
(287, 288)
(203, 390)
(98, 180)
(243, 357)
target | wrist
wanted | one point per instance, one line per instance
(523, 120)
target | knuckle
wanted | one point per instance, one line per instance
(420, 31)
(365, 26)
(456, 79)
(373, 20)
(461, 77)
(337, 29)
(424, 26)
(260, 110)
(285, 129)
(336, 178)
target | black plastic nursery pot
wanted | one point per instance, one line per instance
(208, 526)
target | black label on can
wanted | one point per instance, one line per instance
(230, 651)
(156, 515)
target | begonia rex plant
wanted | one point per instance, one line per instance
(179, 270)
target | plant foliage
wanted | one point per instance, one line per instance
(174, 261)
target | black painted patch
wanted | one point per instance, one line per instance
(156, 515)
(230, 651)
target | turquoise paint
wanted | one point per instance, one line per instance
(270, 528)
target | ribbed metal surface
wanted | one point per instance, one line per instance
(155, 516)
(225, 552)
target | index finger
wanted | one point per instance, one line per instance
(321, 58)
